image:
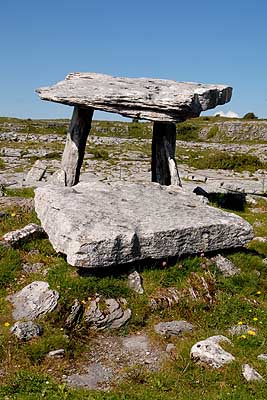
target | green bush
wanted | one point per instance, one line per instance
(186, 131)
(250, 115)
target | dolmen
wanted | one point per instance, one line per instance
(99, 224)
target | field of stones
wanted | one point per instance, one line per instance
(181, 328)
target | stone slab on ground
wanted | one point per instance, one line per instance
(103, 224)
(33, 300)
(142, 98)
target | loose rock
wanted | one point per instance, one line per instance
(225, 266)
(28, 232)
(26, 330)
(33, 300)
(240, 329)
(250, 374)
(75, 314)
(209, 352)
(173, 328)
(37, 172)
(135, 282)
(107, 313)
(60, 353)
(262, 357)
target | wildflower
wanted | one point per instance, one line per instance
(83, 301)
(255, 319)
(251, 333)
(13, 214)
(250, 310)
(242, 337)
(258, 292)
(6, 324)
(240, 323)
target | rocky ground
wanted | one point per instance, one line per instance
(172, 329)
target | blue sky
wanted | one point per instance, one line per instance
(202, 41)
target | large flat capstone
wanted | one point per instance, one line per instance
(142, 98)
(100, 224)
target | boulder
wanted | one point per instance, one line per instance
(140, 98)
(100, 224)
(135, 282)
(37, 172)
(33, 300)
(210, 352)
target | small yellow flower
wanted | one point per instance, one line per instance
(242, 337)
(240, 323)
(251, 333)
(255, 319)
(13, 214)
(250, 310)
(258, 292)
(83, 301)
(6, 324)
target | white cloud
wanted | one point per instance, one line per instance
(229, 114)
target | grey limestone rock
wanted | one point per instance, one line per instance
(262, 357)
(173, 328)
(37, 172)
(210, 352)
(60, 353)
(95, 375)
(27, 232)
(75, 314)
(240, 329)
(26, 330)
(142, 98)
(107, 313)
(250, 374)
(100, 224)
(135, 282)
(33, 300)
(225, 266)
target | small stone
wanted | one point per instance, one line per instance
(56, 353)
(135, 282)
(28, 232)
(240, 329)
(209, 352)
(225, 266)
(250, 374)
(32, 268)
(173, 328)
(26, 330)
(170, 348)
(262, 357)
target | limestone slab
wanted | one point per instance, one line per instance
(141, 98)
(100, 224)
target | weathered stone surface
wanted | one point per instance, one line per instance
(33, 300)
(60, 353)
(250, 374)
(27, 232)
(107, 313)
(173, 328)
(135, 282)
(262, 357)
(26, 330)
(96, 375)
(37, 172)
(225, 266)
(99, 224)
(141, 98)
(210, 352)
(75, 314)
(240, 329)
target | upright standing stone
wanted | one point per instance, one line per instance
(72, 158)
(163, 164)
